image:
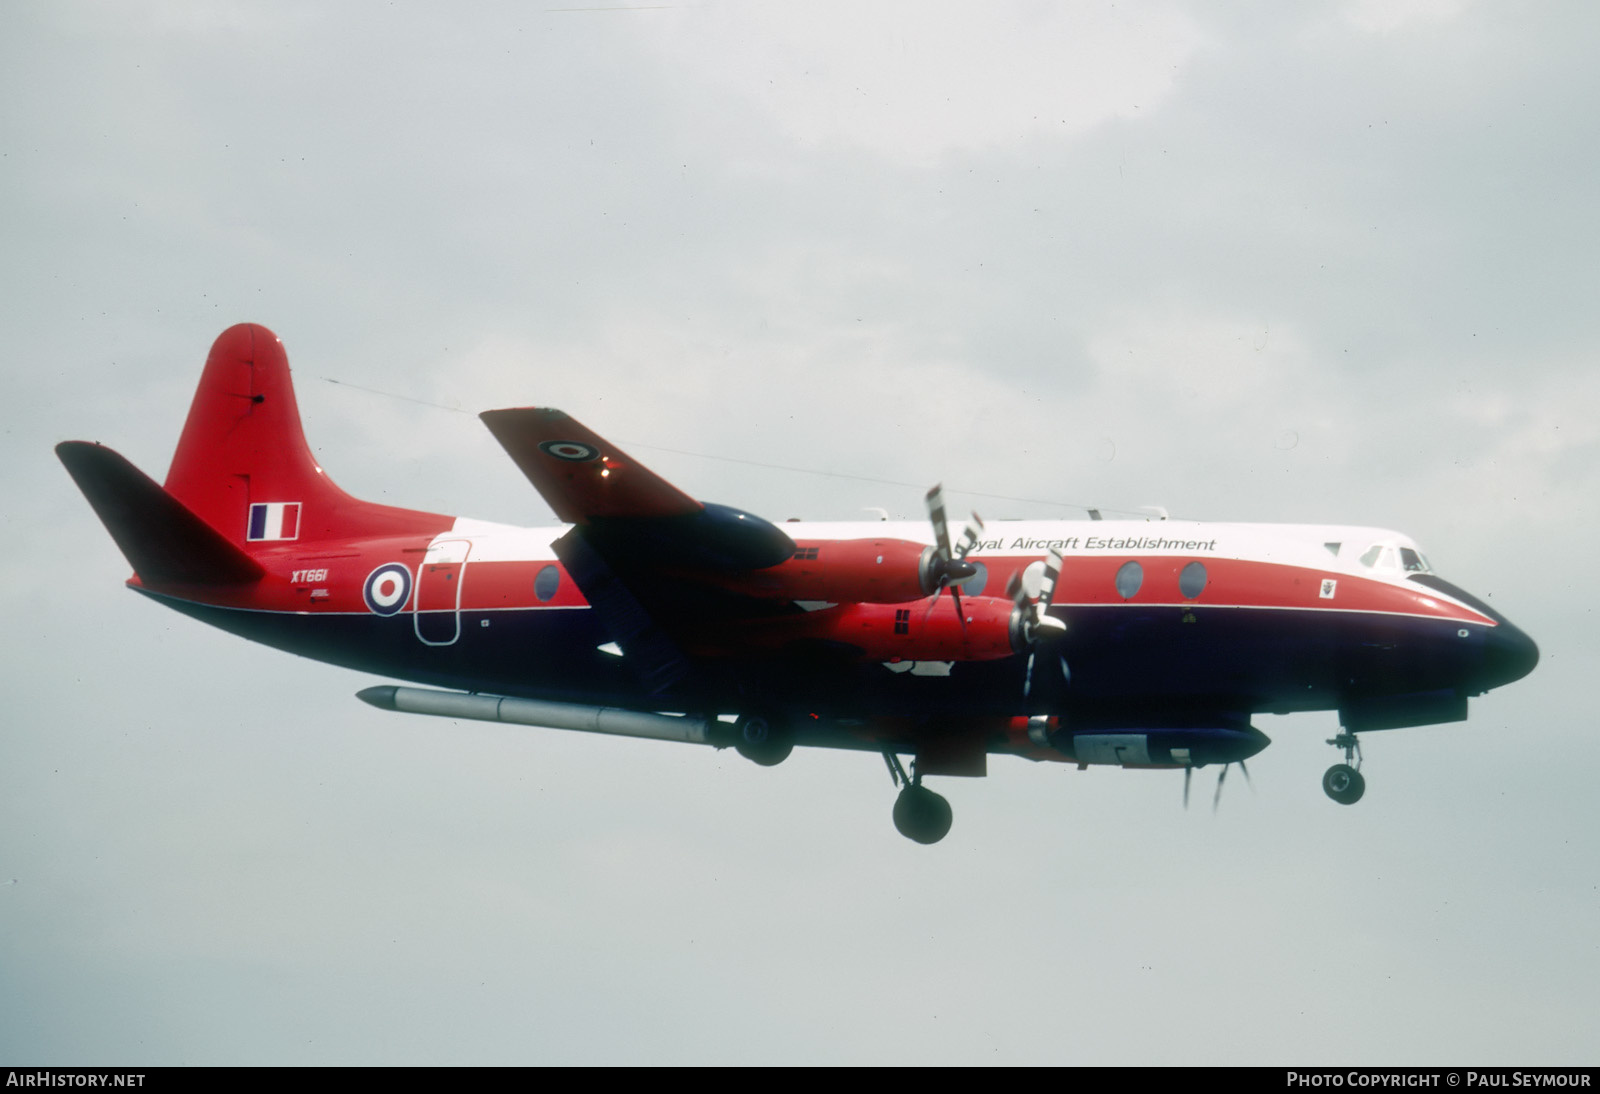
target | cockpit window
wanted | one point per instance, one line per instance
(1382, 556)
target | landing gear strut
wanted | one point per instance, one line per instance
(763, 740)
(1343, 782)
(919, 813)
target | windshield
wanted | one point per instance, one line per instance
(1412, 562)
(1389, 556)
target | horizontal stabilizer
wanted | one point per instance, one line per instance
(160, 536)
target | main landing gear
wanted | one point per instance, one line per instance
(1343, 782)
(919, 813)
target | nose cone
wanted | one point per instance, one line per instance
(1508, 655)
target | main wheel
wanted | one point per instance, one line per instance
(1344, 784)
(922, 815)
(762, 740)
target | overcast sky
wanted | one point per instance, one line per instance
(1313, 262)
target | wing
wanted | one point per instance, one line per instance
(639, 542)
(631, 515)
(579, 473)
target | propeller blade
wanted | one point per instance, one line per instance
(969, 536)
(1217, 798)
(1044, 624)
(1039, 627)
(1247, 781)
(1188, 773)
(1016, 590)
(941, 529)
(1052, 572)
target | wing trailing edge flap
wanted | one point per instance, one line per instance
(633, 517)
(647, 648)
(162, 539)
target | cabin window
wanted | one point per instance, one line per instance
(546, 583)
(1192, 581)
(1129, 578)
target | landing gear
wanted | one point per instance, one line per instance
(922, 815)
(763, 740)
(1343, 782)
(919, 813)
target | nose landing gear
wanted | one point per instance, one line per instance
(1342, 782)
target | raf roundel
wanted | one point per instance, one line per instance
(571, 451)
(387, 588)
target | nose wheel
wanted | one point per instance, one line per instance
(919, 813)
(1344, 782)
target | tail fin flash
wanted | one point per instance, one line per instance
(243, 465)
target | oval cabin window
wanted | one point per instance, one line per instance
(1129, 578)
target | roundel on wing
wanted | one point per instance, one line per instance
(387, 588)
(571, 451)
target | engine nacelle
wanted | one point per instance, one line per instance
(886, 632)
(840, 571)
(1157, 747)
(981, 631)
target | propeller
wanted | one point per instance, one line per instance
(1031, 621)
(1216, 799)
(946, 567)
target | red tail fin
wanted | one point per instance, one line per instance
(243, 465)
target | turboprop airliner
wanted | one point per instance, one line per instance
(649, 613)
